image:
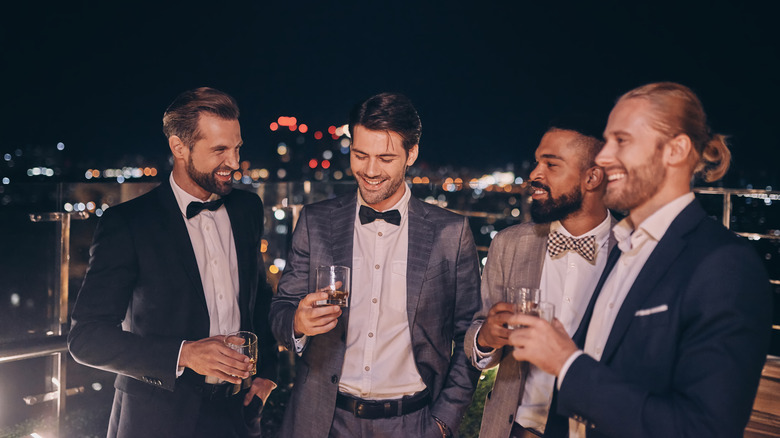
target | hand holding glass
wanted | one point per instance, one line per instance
(336, 281)
(525, 301)
(246, 344)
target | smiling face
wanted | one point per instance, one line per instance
(557, 177)
(632, 156)
(379, 161)
(212, 159)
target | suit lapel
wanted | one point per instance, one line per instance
(661, 259)
(244, 241)
(342, 233)
(421, 234)
(176, 231)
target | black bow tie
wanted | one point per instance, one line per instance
(368, 215)
(196, 207)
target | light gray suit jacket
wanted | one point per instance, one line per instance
(442, 282)
(516, 256)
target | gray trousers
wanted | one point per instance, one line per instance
(418, 424)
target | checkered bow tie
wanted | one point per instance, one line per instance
(557, 243)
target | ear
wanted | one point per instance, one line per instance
(593, 178)
(178, 148)
(678, 150)
(411, 155)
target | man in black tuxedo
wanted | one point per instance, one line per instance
(170, 275)
(674, 339)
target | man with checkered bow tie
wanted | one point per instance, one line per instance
(562, 252)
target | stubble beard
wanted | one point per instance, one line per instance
(555, 209)
(641, 184)
(373, 198)
(208, 181)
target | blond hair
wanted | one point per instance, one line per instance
(679, 111)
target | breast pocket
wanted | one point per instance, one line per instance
(396, 299)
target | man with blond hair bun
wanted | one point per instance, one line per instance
(675, 336)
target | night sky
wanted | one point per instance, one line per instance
(485, 76)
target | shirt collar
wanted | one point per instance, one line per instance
(655, 225)
(601, 231)
(183, 198)
(402, 205)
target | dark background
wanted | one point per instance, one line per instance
(485, 76)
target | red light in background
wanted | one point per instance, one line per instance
(318, 135)
(287, 121)
(312, 163)
(303, 128)
(293, 127)
(274, 126)
(325, 164)
(335, 137)
(332, 130)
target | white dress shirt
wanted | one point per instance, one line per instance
(215, 252)
(636, 246)
(568, 281)
(378, 362)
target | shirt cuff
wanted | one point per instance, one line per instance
(566, 366)
(179, 369)
(300, 343)
(480, 358)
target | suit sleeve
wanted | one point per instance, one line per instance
(96, 337)
(455, 397)
(720, 349)
(293, 286)
(491, 293)
(268, 352)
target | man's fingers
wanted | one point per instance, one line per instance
(311, 299)
(500, 308)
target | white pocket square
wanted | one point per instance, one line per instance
(650, 311)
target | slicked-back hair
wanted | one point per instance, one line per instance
(391, 112)
(677, 110)
(181, 117)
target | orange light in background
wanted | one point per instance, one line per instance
(331, 130)
(274, 126)
(425, 180)
(147, 171)
(318, 135)
(325, 164)
(293, 127)
(237, 176)
(244, 165)
(312, 163)
(154, 172)
(263, 245)
(95, 173)
(287, 121)
(339, 131)
(303, 128)
(416, 180)
(273, 269)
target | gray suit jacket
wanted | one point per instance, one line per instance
(516, 256)
(442, 297)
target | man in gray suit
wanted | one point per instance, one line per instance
(563, 252)
(392, 364)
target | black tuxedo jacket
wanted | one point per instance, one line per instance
(142, 296)
(684, 356)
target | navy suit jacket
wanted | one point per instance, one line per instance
(685, 353)
(442, 282)
(142, 296)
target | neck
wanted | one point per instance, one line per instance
(665, 195)
(588, 217)
(186, 183)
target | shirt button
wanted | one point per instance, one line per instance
(379, 234)
(376, 266)
(611, 305)
(567, 299)
(220, 296)
(208, 228)
(370, 335)
(368, 368)
(374, 300)
(214, 262)
(573, 266)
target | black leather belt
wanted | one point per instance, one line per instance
(372, 409)
(224, 390)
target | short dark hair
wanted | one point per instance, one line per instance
(589, 126)
(181, 117)
(388, 112)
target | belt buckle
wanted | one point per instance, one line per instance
(388, 408)
(357, 408)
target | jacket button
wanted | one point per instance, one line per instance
(511, 419)
(334, 378)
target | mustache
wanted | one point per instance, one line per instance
(538, 185)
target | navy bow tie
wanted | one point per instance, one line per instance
(368, 215)
(196, 207)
